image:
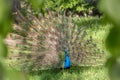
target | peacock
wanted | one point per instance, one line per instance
(48, 41)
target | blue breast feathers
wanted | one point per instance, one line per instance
(67, 62)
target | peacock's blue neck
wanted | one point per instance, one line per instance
(66, 52)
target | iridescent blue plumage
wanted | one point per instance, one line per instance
(67, 62)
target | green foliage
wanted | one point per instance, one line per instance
(3, 48)
(5, 19)
(5, 25)
(111, 10)
(74, 6)
(38, 5)
(113, 41)
(70, 4)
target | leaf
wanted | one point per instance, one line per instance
(5, 27)
(3, 48)
(112, 9)
(1, 72)
(37, 4)
(113, 41)
(2, 9)
(5, 18)
(114, 68)
(110, 62)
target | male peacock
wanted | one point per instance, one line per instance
(45, 40)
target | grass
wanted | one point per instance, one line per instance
(75, 73)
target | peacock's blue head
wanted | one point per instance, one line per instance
(66, 52)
